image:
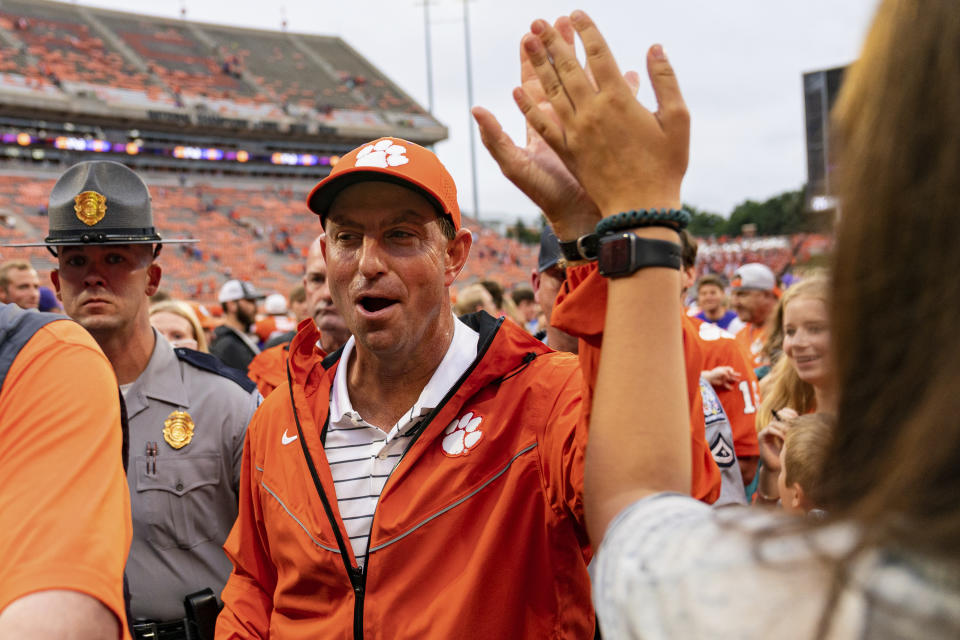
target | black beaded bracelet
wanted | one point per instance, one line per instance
(675, 219)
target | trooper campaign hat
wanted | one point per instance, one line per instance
(100, 202)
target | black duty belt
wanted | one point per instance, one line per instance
(170, 630)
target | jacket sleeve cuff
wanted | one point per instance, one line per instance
(581, 306)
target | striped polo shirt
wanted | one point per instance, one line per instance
(362, 456)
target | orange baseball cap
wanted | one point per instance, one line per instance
(390, 160)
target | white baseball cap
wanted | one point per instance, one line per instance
(275, 304)
(754, 276)
(237, 290)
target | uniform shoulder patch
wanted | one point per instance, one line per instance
(723, 453)
(213, 364)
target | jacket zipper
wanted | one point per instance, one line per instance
(357, 576)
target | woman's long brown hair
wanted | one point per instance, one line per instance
(895, 462)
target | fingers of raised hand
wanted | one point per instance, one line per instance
(632, 78)
(552, 86)
(548, 69)
(671, 109)
(598, 56)
(538, 120)
(565, 28)
(494, 138)
(528, 77)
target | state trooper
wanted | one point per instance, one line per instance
(188, 412)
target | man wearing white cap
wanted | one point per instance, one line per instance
(754, 298)
(231, 342)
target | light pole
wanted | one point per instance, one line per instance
(426, 39)
(473, 143)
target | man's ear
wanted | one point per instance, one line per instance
(535, 284)
(458, 250)
(153, 278)
(55, 280)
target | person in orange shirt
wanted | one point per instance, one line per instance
(63, 495)
(728, 370)
(754, 298)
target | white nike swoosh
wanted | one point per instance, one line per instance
(285, 439)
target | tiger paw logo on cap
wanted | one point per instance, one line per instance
(385, 153)
(462, 435)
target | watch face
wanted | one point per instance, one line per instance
(615, 254)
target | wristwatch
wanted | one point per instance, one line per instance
(623, 253)
(583, 248)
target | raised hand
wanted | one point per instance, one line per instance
(536, 169)
(623, 155)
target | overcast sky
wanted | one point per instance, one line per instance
(739, 63)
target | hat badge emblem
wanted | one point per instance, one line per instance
(178, 429)
(90, 207)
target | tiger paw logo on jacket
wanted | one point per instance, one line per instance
(462, 436)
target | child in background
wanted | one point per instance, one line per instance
(794, 452)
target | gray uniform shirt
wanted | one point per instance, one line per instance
(184, 501)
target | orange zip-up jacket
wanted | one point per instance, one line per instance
(490, 544)
(581, 310)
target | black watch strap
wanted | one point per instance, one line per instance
(583, 248)
(621, 254)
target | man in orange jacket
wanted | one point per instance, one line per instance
(425, 480)
(269, 368)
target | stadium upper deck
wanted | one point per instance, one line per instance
(174, 94)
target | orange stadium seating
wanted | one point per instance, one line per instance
(255, 231)
(149, 61)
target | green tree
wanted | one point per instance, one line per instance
(781, 214)
(704, 223)
(522, 233)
